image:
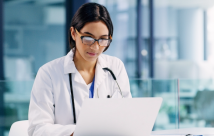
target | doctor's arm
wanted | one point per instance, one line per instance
(41, 110)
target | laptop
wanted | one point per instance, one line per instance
(118, 117)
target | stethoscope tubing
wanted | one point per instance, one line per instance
(72, 94)
(72, 98)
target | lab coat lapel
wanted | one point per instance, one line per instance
(100, 74)
(69, 67)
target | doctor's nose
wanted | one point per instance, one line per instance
(95, 46)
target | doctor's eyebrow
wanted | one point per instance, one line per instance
(93, 35)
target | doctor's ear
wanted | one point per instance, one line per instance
(73, 33)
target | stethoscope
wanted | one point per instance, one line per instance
(108, 96)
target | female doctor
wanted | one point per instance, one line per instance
(62, 85)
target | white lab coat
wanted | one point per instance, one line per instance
(51, 87)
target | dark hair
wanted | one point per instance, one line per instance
(90, 12)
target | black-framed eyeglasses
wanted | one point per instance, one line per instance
(87, 40)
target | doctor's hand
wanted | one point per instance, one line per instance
(72, 134)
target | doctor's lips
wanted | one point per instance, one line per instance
(91, 54)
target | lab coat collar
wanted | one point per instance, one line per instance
(100, 74)
(69, 66)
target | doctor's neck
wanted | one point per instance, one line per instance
(82, 64)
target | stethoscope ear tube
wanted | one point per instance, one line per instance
(114, 77)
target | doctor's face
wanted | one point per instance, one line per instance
(96, 30)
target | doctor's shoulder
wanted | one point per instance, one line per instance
(53, 67)
(113, 63)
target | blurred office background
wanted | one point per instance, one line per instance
(167, 47)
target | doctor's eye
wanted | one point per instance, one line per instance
(104, 42)
(87, 40)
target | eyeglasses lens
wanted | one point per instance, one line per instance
(90, 41)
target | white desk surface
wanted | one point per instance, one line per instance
(184, 131)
